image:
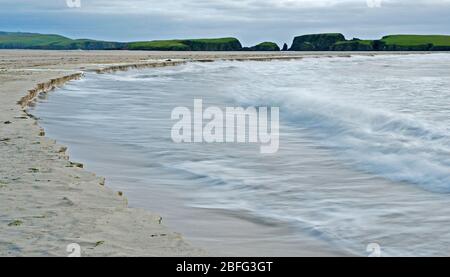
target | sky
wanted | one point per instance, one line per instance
(251, 21)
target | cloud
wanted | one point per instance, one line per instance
(250, 20)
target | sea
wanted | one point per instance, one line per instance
(363, 159)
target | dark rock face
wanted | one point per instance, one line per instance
(265, 46)
(353, 45)
(213, 45)
(318, 42)
(285, 47)
(395, 47)
(95, 45)
(440, 48)
(378, 45)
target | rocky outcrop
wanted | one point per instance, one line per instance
(353, 45)
(87, 44)
(223, 44)
(265, 46)
(396, 47)
(440, 48)
(285, 47)
(316, 42)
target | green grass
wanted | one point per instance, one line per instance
(364, 42)
(28, 40)
(416, 40)
(213, 44)
(398, 43)
(9, 40)
(88, 44)
(323, 35)
(266, 46)
(52, 42)
(353, 45)
(213, 40)
(158, 45)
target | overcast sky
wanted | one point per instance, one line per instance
(251, 21)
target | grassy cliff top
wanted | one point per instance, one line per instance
(158, 45)
(54, 42)
(266, 46)
(324, 34)
(408, 40)
(267, 43)
(11, 40)
(180, 44)
(311, 42)
(29, 39)
(213, 40)
(365, 42)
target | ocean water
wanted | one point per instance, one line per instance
(364, 152)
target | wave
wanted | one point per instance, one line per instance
(371, 133)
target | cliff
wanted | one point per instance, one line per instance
(397, 43)
(353, 45)
(316, 42)
(56, 42)
(53, 42)
(312, 42)
(219, 44)
(415, 43)
(265, 46)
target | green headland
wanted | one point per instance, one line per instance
(312, 42)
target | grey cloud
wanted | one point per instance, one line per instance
(250, 20)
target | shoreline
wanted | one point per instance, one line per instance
(47, 200)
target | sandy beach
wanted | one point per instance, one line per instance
(48, 201)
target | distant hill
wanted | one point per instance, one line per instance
(353, 45)
(415, 43)
(10, 40)
(316, 42)
(264, 46)
(53, 42)
(312, 42)
(337, 42)
(217, 44)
